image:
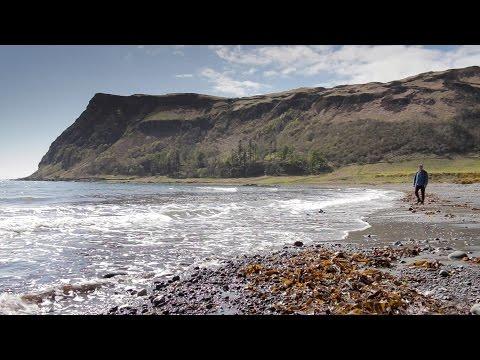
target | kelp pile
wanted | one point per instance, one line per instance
(474, 260)
(322, 281)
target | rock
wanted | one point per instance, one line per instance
(160, 286)
(457, 255)
(321, 211)
(142, 292)
(110, 275)
(159, 301)
(398, 243)
(444, 273)
(175, 278)
(298, 243)
(475, 309)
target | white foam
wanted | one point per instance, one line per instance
(218, 188)
(11, 304)
(305, 205)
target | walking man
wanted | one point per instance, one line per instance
(420, 182)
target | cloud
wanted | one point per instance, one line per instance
(225, 84)
(348, 64)
(184, 76)
(160, 49)
(178, 50)
(270, 73)
(250, 71)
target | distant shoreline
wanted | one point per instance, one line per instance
(461, 170)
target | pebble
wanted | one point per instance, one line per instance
(475, 309)
(298, 243)
(110, 275)
(444, 273)
(142, 292)
(457, 255)
(160, 286)
(159, 300)
(398, 243)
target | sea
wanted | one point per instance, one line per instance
(84, 247)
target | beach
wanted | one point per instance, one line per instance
(412, 259)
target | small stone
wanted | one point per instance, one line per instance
(475, 309)
(321, 211)
(160, 286)
(398, 243)
(142, 292)
(110, 275)
(159, 300)
(457, 255)
(298, 243)
(444, 273)
(175, 278)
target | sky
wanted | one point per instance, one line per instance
(43, 89)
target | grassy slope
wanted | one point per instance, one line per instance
(458, 170)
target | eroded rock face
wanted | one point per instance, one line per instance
(437, 113)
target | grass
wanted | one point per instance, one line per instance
(464, 170)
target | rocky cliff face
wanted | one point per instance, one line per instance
(435, 113)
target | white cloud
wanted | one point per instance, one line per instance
(159, 49)
(225, 84)
(184, 76)
(178, 49)
(270, 73)
(348, 64)
(250, 71)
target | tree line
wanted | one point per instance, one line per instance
(247, 159)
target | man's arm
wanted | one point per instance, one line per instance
(426, 178)
(414, 179)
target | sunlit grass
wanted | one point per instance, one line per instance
(458, 170)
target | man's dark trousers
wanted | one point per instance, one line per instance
(422, 190)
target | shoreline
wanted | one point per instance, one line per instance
(457, 169)
(403, 259)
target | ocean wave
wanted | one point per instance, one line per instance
(306, 205)
(11, 304)
(218, 188)
(22, 199)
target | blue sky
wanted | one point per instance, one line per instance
(43, 89)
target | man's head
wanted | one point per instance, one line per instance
(420, 167)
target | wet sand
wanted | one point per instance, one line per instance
(400, 265)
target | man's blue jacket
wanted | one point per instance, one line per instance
(420, 178)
